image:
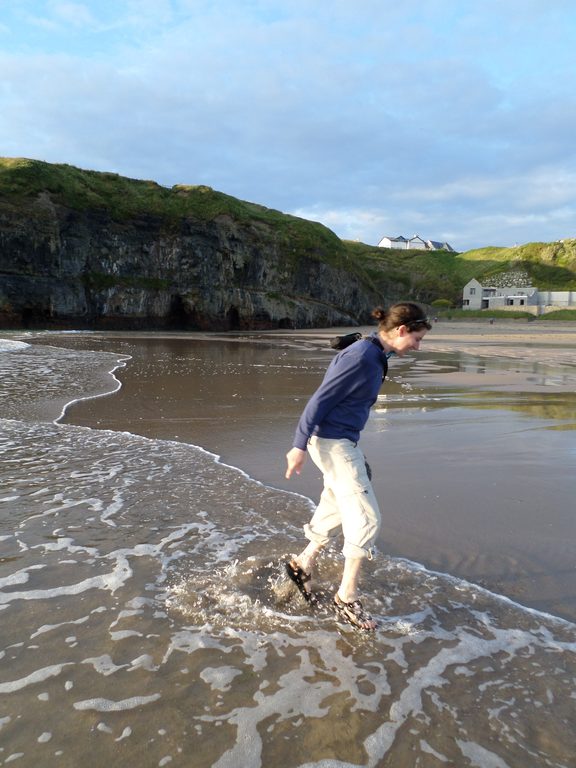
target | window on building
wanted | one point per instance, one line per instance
(472, 291)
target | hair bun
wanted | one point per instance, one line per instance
(406, 313)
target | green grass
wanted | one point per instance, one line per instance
(482, 314)
(564, 315)
(560, 315)
(548, 265)
(426, 275)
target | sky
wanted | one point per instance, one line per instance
(451, 119)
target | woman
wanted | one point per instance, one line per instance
(329, 430)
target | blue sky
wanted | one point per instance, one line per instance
(453, 119)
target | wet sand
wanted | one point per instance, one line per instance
(146, 615)
(473, 463)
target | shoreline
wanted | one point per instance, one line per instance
(444, 334)
(438, 519)
(514, 548)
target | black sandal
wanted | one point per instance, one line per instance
(353, 613)
(300, 578)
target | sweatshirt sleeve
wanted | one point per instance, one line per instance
(343, 376)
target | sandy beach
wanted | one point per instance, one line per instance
(472, 444)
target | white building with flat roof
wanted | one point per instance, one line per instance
(524, 297)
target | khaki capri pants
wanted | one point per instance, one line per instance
(347, 503)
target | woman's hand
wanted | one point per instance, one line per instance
(295, 458)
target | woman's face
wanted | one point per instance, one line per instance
(405, 340)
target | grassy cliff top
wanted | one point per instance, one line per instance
(23, 181)
(547, 265)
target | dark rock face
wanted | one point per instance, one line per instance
(84, 269)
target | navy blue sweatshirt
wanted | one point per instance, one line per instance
(341, 405)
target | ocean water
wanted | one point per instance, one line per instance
(145, 619)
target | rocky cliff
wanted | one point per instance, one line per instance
(94, 250)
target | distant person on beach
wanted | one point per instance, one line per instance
(329, 430)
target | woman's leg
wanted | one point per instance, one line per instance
(347, 502)
(346, 600)
(359, 511)
(360, 524)
(348, 590)
(326, 520)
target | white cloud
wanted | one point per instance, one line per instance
(536, 205)
(75, 14)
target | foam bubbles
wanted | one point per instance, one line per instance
(108, 705)
(8, 345)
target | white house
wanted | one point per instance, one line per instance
(416, 242)
(472, 295)
(525, 297)
(393, 242)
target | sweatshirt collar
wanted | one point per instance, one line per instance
(375, 339)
